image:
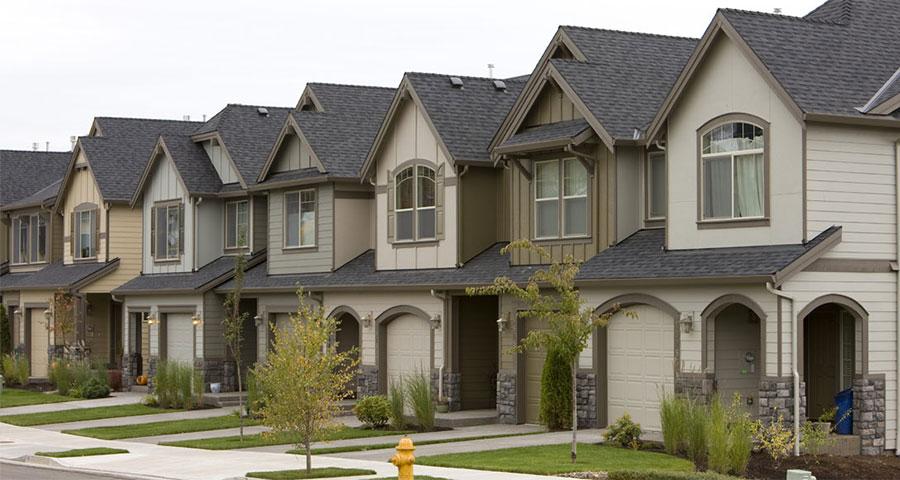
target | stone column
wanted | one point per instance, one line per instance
(367, 381)
(776, 398)
(506, 398)
(869, 413)
(696, 385)
(586, 394)
(130, 363)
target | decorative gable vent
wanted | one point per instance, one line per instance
(456, 82)
(500, 85)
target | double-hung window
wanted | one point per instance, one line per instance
(300, 219)
(20, 239)
(168, 232)
(415, 204)
(85, 229)
(237, 224)
(733, 173)
(560, 199)
(656, 185)
(29, 238)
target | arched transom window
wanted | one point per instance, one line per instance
(415, 203)
(733, 171)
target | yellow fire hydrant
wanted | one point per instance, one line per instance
(404, 459)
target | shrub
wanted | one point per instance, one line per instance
(696, 447)
(664, 475)
(556, 391)
(828, 415)
(397, 397)
(150, 401)
(78, 379)
(15, 369)
(624, 433)
(740, 437)
(5, 337)
(717, 436)
(373, 411)
(255, 398)
(673, 414)
(421, 400)
(775, 439)
(813, 439)
(92, 388)
(173, 385)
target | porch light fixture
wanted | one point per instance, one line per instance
(436, 321)
(17, 311)
(195, 320)
(151, 319)
(367, 320)
(687, 322)
(257, 320)
(501, 324)
(48, 314)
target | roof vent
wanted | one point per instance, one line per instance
(500, 85)
(456, 82)
(263, 111)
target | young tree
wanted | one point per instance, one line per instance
(233, 326)
(62, 324)
(550, 296)
(305, 377)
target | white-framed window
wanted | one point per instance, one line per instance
(19, 247)
(85, 233)
(300, 219)
(237, 224)
(733, 173)
(656, 185)
(415, 201)
(560, 199)
(168, 232)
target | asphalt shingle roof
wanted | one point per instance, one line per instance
(832, 61)
(119, 156)
(193, 164)
(24, 173)
(291, 175)
(191, 281)
(643, 256)
(548, 132)
(55, 275)
(466, 118)
(42, 197)
(247, 135)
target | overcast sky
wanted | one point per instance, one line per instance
(63, 62)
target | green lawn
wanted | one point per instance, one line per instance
(15, 397)
(80, 414)
(266, 439)
(554, 459)
(314, 473)
(380, 446)
(82, 452)
(119, 432)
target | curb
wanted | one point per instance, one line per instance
(48, 463)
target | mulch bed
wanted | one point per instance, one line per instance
(827, 467)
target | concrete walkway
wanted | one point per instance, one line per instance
(147, 460)
(140, 419)
(117, 398)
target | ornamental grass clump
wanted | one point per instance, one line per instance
(420, 400)
(397, 399)
(717, 436)
(674, 413)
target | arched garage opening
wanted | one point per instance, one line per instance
(404, 342)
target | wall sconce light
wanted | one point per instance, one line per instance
(436, 321)
(48, 314)
(17, 311)
(501, 324)
(196, 320)
(152, 319)
(367, 320)
(687, 322)
(257, 320)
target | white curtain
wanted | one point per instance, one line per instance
(748, 185)
(717, 188)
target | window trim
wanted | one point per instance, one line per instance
(166, 205)
(649, 219)
(415, 202)
(284, 213)
(225, 225)
(76, 240)
(560, 198)
(739, 222)
(29, 232)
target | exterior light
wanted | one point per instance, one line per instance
(48, 314)
(367, 320)
(436, 321)
(17, 311)
(195, 320)
(257, 320)
(501, 324)
(151, 319)
(687, 322)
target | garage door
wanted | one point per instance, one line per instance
(39, 343)
(534, 367)
(408, 347)
(640, 363)
(179, 338)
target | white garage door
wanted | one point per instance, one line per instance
(640, 364)
(39, 343)
(408, 347)
(179, 338)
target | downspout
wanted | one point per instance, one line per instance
(794, 356)
(196, 229)
(897, 270)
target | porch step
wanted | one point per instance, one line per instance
(139, 389)
(466, 418)
(842, 446)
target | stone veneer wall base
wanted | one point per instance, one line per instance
(869, 413)
(506, 398)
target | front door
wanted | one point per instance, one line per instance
(822, 362)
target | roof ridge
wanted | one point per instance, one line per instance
(334, 84)
(782, 16)
(14, 150)
(628, 32)
(148, 119)
(433, 74)
(254, 106)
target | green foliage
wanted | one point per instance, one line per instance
(828, 415)
(93, 388)
(233, 326)
(664, 475)
(82, 452)
(373, 411)
(814, 439)
(420, 399)
(674, 412)
(175, 385)
(624, 433)
(556, 391)
(740, 437)
(330, 472)
(776, 439)
(696, 447)
(717, 436)
(256, 398)
(5, 337)
(15, 369)
(397, 399)
(78, 379)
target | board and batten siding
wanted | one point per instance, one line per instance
(851, 182)
(166, 185)
(213, 335)
(260, 225)
(410, 137)
(301, 260)
(82, 188)
(220, 161)
(294, 154)
(551, 106)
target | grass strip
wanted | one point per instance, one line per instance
(380, 446)
(15, 397)
(82, 452)
(330, 472)
(80, 414)
(267, 439)
(554, 460)
(169, 427)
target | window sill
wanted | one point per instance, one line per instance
(304, 248)
(733, 223)
(576, 239)
(237, 249)
(415, 243)
(165, 261)
(84, 259)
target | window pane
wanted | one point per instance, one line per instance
(308, 218)
(84, 235)
(748, 185)
(230, 234)
(426, 222)
(575, 216)
(243, 224)
(404, 225)
(38, 238)
(717, 187)
(425, 181)
(172, 225)
(404, 189)
(20, 240)
(161, 232)
(547, 177)
(574, 178)
(732, 137)
(657, 185)
(547, 218)
(292, 219)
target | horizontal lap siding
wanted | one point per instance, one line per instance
(317, 259)
(124, 243)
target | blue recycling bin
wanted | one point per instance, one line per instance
(844, 417)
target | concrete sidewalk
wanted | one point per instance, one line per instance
(147, 460)
(117, 398)
(140, 419)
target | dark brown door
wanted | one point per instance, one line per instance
(822, 352)
(478, 352)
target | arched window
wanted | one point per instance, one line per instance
(415, 203)
(733, 176)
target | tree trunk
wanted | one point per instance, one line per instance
(237, 366)
(574, 410)
(306, 445)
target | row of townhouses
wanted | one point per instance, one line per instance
(738, 192)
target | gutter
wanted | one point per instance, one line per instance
(796, 374)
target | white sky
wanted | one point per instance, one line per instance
(63, 62)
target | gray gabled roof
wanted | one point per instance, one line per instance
(643, 256)
(549, 132)
(341, 98)
(206, 277)
(831, 61)
(247, 135)
(193, 164)
(58, 275)
(42, 198)
(119, 155)
(24, 173)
